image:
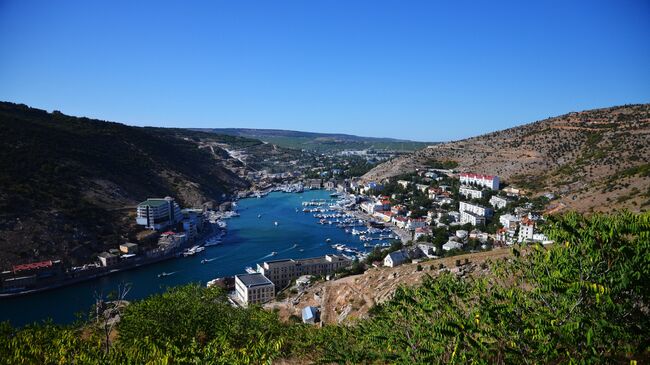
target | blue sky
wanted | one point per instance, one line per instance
(421, 70)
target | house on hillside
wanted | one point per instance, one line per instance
(396, 258)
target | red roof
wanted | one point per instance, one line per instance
(169, 233)
(401, 219)
(477, 176)
(32, 266)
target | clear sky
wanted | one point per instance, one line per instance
(421, 70)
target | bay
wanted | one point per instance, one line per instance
(249, 240)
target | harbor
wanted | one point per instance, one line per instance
(252, 236)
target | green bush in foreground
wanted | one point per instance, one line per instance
(582, 300)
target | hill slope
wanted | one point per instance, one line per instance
(320, 142)
(68, 185)
(593, 160)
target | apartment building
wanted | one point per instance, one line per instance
(253, 288)
(283, 272)
(498, 202)
(489, 181)
(158, 213)
(470, 193)
(475, 209)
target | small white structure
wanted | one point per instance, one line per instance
(509, 221)
(452, 245)
(498, 202)
(396, 258)
(107, 259)
(403, 183)
(254, 288)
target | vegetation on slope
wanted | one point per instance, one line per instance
(591, 160)
(63, 181)
(582, 300)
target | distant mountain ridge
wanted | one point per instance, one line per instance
(591, 160)
(319, 142)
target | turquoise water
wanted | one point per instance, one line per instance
(250, 240)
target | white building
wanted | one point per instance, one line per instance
(498, 202)
(253, 288)
(509, 221)
(423, 188)
(403, 183)
(475, 209)
(471, 218)
(156, 213)
(283, 272)
(470, 193)
(526, 230)
(489, 181)
(452, 245)
(396, 258)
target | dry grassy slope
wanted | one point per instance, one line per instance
(593, 160)
(348, 299)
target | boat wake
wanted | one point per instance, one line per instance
(164, 274)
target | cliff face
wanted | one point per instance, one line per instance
(592, 160)
(68, 186)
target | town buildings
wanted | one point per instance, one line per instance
(253, 288)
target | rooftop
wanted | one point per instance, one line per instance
(155, 202)
(251, 280)
(32, 266)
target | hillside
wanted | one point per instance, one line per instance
(68, 185)
(591, 160)
(321, 142)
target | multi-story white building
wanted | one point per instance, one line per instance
(283, 272)
(470, 193)
(472, 218)
(253, 288)
(498, 202)
(488, 181)
(157, 213)
(526, 230)
(509, 221)
(475, 209)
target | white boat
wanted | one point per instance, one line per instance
(163, 274)
(250, 270)
(259, 216)
(273, 253)
(205, 261)
(276, 223)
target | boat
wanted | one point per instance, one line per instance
(259, 216)
(276, 223)
(328, 240)
(205, 261)
(163, 274)
(273, 253)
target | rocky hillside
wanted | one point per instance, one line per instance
(68, 185)
(595, 160)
